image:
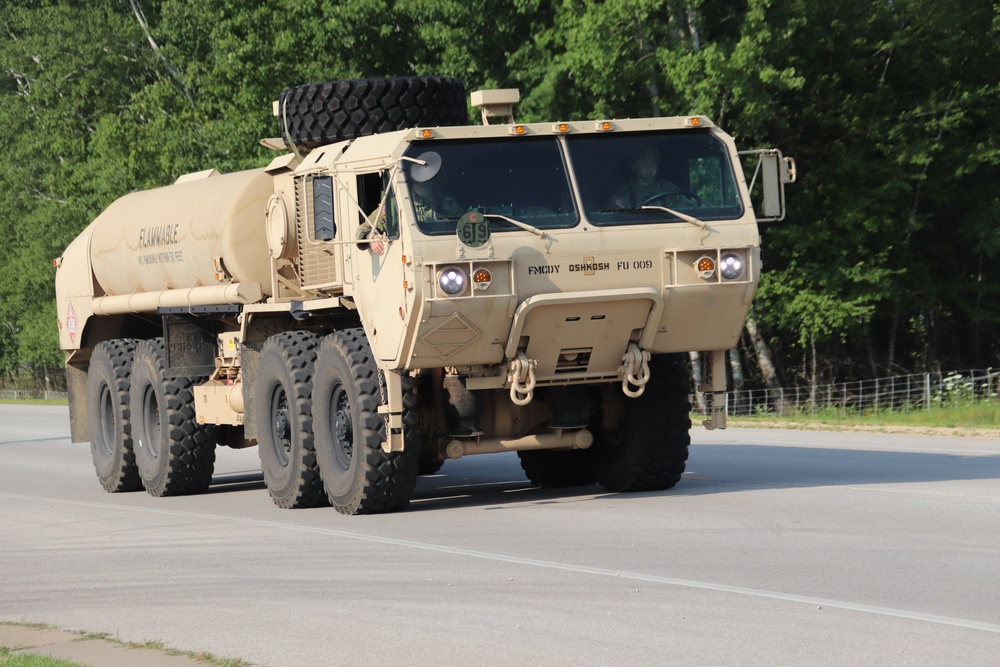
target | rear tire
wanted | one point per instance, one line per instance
(175, 454)
(648, 449)
(283, 409)
(359, 476)
(108, 383)
(321, 113)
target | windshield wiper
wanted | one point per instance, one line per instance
(517, 223)
(681, 216)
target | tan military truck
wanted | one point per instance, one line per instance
(398, 288)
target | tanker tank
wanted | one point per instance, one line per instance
(170, 238)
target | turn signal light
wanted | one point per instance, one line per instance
(705, 266)
(482, 278)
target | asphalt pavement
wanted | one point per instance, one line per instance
(777, 548)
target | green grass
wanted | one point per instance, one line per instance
(35, 401)
(29, 660)
(981, 415)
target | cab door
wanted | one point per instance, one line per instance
(379, 290)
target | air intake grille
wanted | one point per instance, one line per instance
(318, 261)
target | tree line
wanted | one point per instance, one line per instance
(888, 260)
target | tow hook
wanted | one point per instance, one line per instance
(521, 376)
(635, 369)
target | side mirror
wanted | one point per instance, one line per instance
(775, 171)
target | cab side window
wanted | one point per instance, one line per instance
(371, 189)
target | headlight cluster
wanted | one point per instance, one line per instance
(730, 266)
(455, 279)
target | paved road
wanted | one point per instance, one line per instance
(779, 547)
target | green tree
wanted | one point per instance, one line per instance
(53, 59)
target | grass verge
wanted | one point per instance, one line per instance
(32, 660)
(29, 660)
(974, 417)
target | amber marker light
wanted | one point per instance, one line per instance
(604, 126)
(425, 134)
(693, 121)
(561, 128)
(705, 266)
(482, 279)
(518, 130)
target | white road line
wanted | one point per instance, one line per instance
(551, 565)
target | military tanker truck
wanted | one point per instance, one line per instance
(398, 288)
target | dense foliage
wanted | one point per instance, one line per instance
(889, 258)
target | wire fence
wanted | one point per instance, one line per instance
(28, 394)
(901, 393)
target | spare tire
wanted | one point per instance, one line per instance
(321, 113)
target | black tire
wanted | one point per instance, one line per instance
(416, 417)
(648, 450)
(175, 454)
(283, 409)
(549, 468)
(321, 113)
(108, 383)
(429, 466)
(360, 478)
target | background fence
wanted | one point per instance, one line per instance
(890, 394)
(26, 394)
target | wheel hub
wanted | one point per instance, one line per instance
(342, 431)
(282, 427)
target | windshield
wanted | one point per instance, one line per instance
(687, 171)
(521, 178)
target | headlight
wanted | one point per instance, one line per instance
(731, 267)
(452, 280)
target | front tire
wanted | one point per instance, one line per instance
(359, 476)
(108, 384)
(175, 454)
(283, 409)
(647, 450)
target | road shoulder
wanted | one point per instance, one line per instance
(79, 648)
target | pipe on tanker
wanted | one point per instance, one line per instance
(148, 302)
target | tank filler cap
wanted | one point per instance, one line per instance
(196, 176)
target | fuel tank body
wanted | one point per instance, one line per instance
(177, 236)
